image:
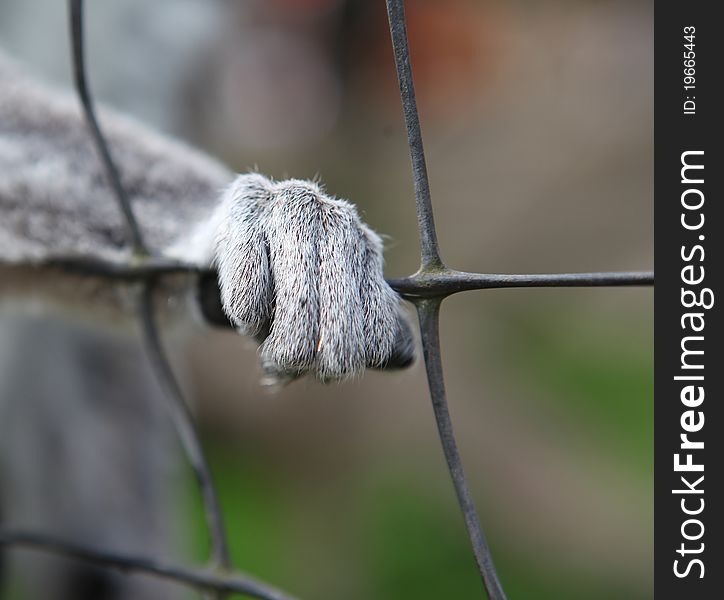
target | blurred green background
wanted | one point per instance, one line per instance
(538, 120)
(563, 487)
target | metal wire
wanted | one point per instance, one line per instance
(79, 74)
(177, 407)
(423, 284)
(429, 313)
(428, 310)
(184, 424)
(175, 404)
(428, 237)
(446, 281)
(426, 289)
(202, 579)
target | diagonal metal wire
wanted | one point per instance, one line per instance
(79, 71)
(183, 422)
(175, 404)
(177, 407)
(202, 579)
(428, 237)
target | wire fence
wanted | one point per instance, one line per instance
(426, 289)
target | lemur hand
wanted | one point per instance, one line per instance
(303, 274)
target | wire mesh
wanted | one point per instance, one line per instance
(426, 289)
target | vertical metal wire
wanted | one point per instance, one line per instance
(428, 237)
(429, 312)
(428, 309)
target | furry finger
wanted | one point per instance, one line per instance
(293, 229)
(341, 344)
(241, 255)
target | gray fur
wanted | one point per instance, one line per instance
(298, 269)
(54, 198)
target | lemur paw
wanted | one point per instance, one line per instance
(301, 272)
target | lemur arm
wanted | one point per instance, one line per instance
(54, 198)
(297, 269)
